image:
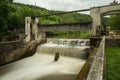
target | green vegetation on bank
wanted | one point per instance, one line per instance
(69, 34)
(12, 15)
(20, 11)
(113, 21)
(113, 63)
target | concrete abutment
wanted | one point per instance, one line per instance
(32, 30)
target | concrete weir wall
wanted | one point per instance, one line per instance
(9, 47)
(113, 41)
(19, 52)
(93, 68)
(96, 71)
(6, 48)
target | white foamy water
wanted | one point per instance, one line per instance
(41, 66)
(64, 50)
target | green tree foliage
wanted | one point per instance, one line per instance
(21, 11)
(114, 21)
(4, 9)
(7, 1)
(4, 15)
(12, 15)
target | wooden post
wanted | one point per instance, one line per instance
(56, 56)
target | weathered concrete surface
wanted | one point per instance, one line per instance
(86, 68)
(32, 32)
(95, 41)
(6, 48)
(97, 12)
(96, 70)
(66, 27)
(28, 29)
(28, 50)
(112, 41)
(94, 67)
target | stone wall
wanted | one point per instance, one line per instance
(113, 41)
(19, 52)
(10, 46)
(109, 41)
(7, 48)
(97, 67)
(66, 27)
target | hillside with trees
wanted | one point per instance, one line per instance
(12, 15)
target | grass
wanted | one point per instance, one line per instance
(113, 63)
(70, 34)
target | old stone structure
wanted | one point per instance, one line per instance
(32, 30)
(66, 27)
(27, 29)
(97, 12)
(37, 32)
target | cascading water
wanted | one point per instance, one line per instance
(64, 48)
(41, 66)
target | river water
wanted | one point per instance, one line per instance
(41, 66)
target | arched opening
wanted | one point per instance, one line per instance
(97, 13)
(111, 21)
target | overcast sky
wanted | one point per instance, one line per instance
(66, 5)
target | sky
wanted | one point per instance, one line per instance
(66, 5)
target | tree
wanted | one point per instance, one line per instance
(114, 21)
(7, 1)
(5, 10)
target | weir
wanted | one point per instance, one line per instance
(66, 47)
(72, 53)
(43, 66)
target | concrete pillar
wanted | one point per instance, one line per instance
(27, 29)
(35, 28)
(41, 35)
(96, 18)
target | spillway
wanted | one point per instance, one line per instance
(63, 50)
(42, 66)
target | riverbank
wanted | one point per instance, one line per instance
(113, 63)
